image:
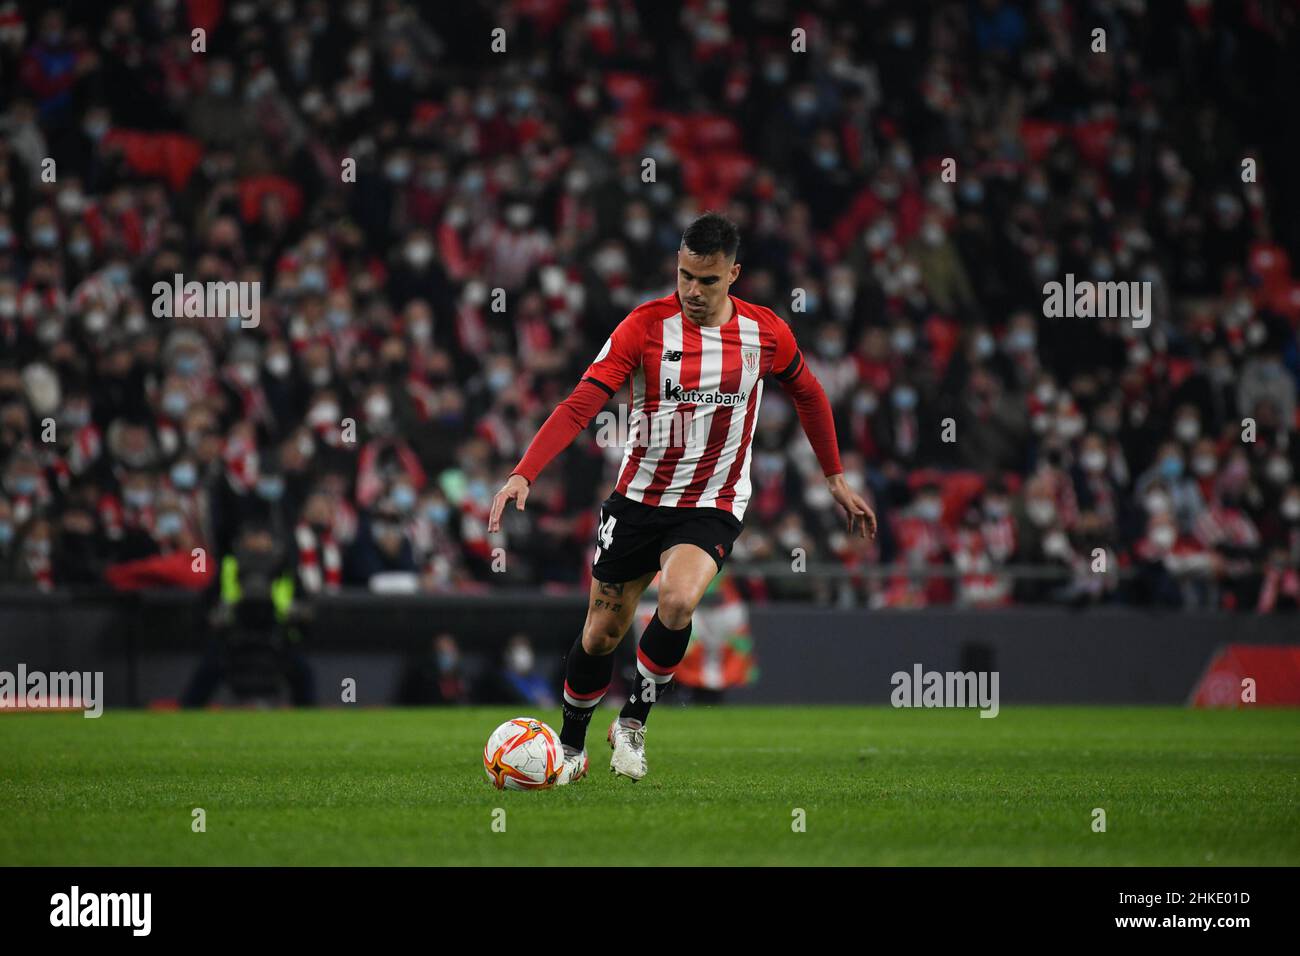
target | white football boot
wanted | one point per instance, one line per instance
(575, 766)
(628, 744)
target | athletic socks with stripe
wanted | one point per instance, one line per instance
(586, 678)
(657, 656)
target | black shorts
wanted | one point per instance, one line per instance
(632, 535)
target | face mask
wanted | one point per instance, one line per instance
(996, 509)
(1021, 340)
(446, 660)
(1070, 427)
(186, 365)
(1278, 471)
(272, 489)
(311, 280)
(1163, 537)
(138, 497)
(1056, 544)
(1291, 509)
(378, 408)
(438, 514)
(403, 498)
(866, 403)
(6, 532)
(1041, 512)
(638, 230)
(398, 171)
(499, 378)
(1171, 467)
(929, 509)
(904, 398)
(168, 525)
(76, 417)
(184, 475)
(1204, 465)
(984, 346)
(903, 342)
(1156, 503)
(1187, 429)
(323, 414)
(831, 348)
(419, 254)
(46, 237)
(245, 373)
(1094, 461)
(521, 660)
(278, 364)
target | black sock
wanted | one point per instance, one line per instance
(586, 678)
(657, 656)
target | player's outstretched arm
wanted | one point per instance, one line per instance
(818, 423)
(570, 417)
(602, 380)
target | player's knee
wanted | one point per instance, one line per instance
(601, 637)
(675, 608)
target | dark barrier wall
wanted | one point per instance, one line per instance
(147, 647)
(1113, 656)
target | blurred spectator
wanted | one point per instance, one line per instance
(519, 680)
(434, 675)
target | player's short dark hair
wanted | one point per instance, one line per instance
(712, 232)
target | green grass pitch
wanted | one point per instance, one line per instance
(878, 786)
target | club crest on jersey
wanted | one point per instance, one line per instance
(750, 359)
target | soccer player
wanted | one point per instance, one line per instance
(697, 360)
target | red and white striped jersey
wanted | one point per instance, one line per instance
(695, 393)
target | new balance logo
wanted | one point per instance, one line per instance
(672, 356)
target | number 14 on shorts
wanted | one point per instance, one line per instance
(605, 535)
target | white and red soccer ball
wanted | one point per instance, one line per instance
(524, 753)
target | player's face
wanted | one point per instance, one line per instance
(702, 284)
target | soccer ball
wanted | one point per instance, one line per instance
(523, 754)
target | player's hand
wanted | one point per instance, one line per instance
(854, 506)
(516, 487)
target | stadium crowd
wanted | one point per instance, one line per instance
(498, 226)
